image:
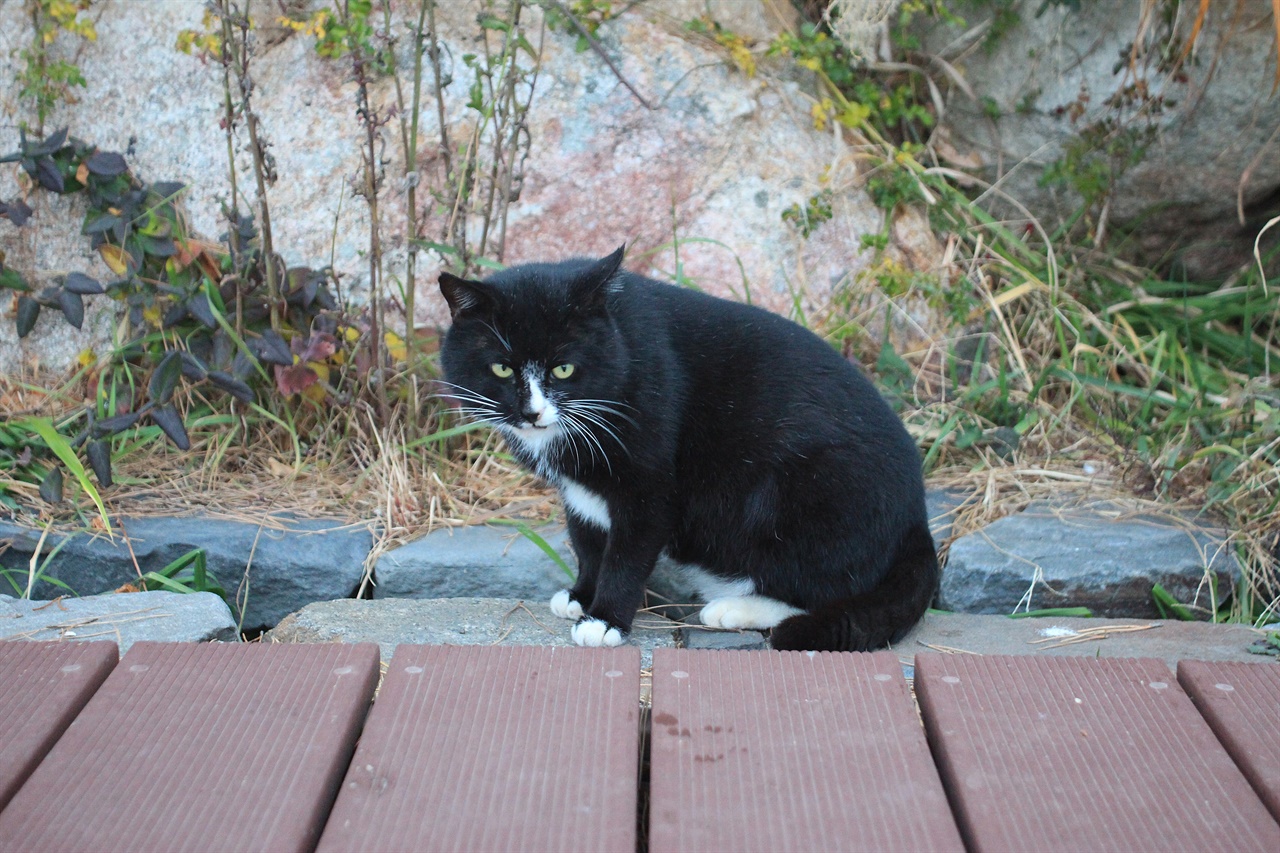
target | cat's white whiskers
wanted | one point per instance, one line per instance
(463, 394)
(487, 415)
(456, 386)
(577, 429)
(501, 337)
(607, 407)
(476, 401)
(572, 428)
(593, 443)
(590, 417)
(476, 406)
(473, 398)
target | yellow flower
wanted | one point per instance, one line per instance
(821, 111)
(395, 346)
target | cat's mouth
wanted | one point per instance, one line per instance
(534, 427)
(535, 439)
(531, 429)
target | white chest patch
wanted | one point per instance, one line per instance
(585, 504)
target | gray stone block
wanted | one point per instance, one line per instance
(126, 618)
(269, 572)
(451, 621)
(1099, 557)
(942, 506)
(697, 637)
(475, 562)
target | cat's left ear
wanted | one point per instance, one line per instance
(599, 280)
(463, 294)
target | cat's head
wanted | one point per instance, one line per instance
(533, 350)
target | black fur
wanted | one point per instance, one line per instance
(733, 439)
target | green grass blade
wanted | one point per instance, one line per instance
(151, 579)
(191, 558)
(528, 533)
(10, 574)
(1170, 607)
(43, 427)
(936, 448)
(449, 432)
(1053, 611)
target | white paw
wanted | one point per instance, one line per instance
(749, 611)
(595, 632)
(564, 606)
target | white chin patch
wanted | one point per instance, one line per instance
(564, 606)
(749, 611)
(536, 441)
(585, 504)
(595, 632)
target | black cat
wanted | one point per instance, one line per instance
(734, 440)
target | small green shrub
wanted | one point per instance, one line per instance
(197, 314)
(46, 81)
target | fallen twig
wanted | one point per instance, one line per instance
(1100, 632)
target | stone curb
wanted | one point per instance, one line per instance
(1095, 556)
(170, 617)
(516, 622)
(450, 621)
(126, 618)
(1101, 557)
(274, 571)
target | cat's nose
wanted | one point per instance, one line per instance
(535, 408)
(535, 417)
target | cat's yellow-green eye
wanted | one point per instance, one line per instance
(562, 371)
(501, 371)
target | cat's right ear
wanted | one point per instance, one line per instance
(463, 295)
(605, 269)
(591, 290)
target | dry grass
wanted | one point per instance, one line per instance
(257, 471)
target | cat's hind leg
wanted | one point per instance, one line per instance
(757, 612)
(732, 602)
(879, 616)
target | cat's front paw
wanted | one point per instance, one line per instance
(596, 632)
(563, 605)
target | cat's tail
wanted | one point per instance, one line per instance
(882, 615)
